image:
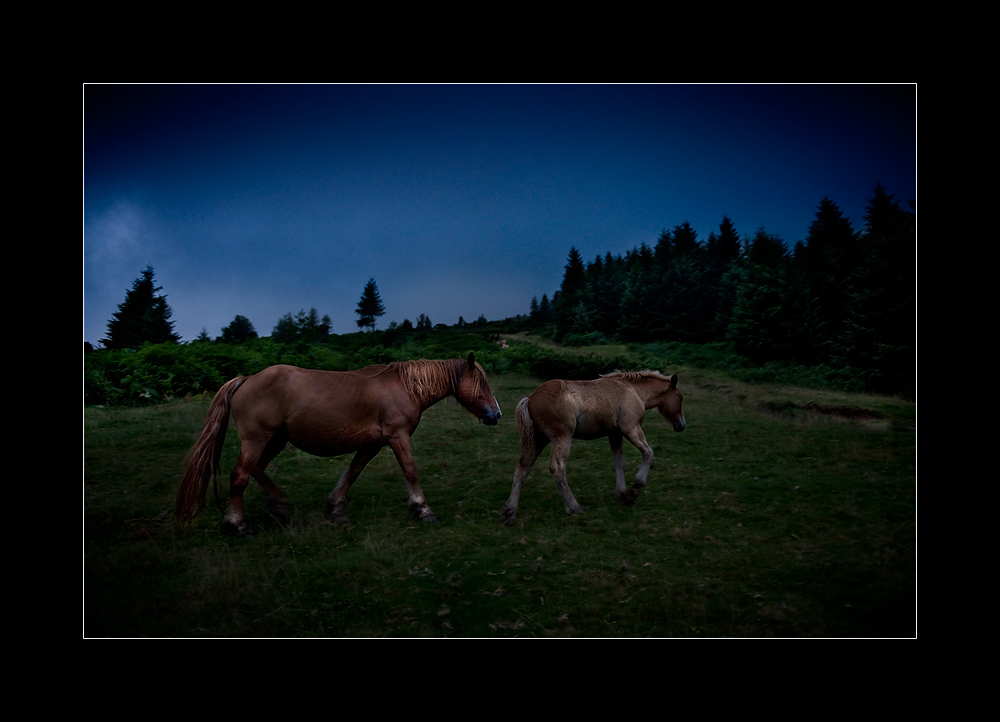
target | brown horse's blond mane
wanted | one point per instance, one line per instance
(634, 376)
(425, 380)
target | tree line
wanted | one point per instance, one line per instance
(841, 298)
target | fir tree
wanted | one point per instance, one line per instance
(370, 306)
(239, 330)
(285, 331)
(571, 293)
(880, 330)
(824, 262)
(142, 317)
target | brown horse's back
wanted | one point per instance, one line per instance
(325, 413)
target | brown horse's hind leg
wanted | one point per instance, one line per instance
(338, 497)
(274, 495)
(233, 521)
(252, 462)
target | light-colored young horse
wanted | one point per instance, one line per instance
(326, 413)
(614, 406)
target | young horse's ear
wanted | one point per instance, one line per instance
(673, 381)
(472, 360)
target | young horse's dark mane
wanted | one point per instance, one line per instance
(425, 379)
(634, 376)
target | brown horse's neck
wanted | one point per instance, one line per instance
(429, 381)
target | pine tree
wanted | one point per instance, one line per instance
(545, 309)
(370, 306)
(239, 330)
(285, 331)
(765, 323)
(880, 331)
(823, 263)
(572, 292)
(142, 317)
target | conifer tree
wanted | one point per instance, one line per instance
(370, 306)
(239, 330)
(143, 316)
(823, 263)
(285, 331)
(571, 293)
(880, 330)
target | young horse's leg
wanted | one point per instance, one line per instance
(557, 466)
(400, 446)
(615, 438)
(638, 439)
(530, 452)
(338, 497)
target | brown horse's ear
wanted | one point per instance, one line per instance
(673, 381)
(472, 360)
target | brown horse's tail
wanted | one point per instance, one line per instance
(203, 460)
(527, 429)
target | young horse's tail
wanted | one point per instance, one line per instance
(204, 458)
(527, 429)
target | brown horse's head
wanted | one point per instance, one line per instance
(474, 394)
(669, 404)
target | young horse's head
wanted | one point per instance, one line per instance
(474, 394)
(669, 404)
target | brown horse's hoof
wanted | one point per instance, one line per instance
(509, 516)
(282, 514)
(242, 530)
(423, 513)
(336, 516)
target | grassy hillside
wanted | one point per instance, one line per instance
(780, 511)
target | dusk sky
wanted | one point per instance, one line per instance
(459, 200)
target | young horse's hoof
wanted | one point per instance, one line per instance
(629, 497)
(509, 516)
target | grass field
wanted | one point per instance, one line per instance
(777, 512)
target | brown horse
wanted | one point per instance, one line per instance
(613, 405)
(326, 413)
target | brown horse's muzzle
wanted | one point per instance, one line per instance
(491, 417)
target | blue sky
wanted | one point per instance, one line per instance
(460, 200)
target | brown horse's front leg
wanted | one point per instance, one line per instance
(400, 446)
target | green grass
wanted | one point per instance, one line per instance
(778, 512)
